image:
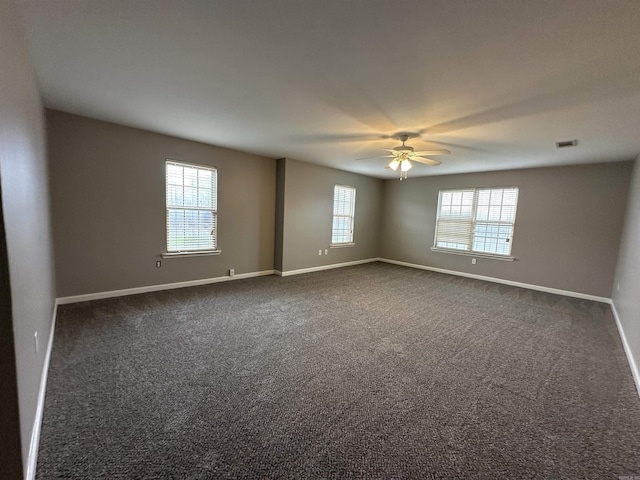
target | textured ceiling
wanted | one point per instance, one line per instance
(497, 82)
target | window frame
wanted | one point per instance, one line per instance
(351, 216)
(473, 221)
(214, 211)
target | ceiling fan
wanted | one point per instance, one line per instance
(402, 155)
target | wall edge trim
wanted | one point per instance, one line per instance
(327, 267)
(156, 288)
(635, 371)
(557, 291)
(34, 444)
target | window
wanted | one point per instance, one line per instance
(192, 208)
(344, 204)
(476, 220)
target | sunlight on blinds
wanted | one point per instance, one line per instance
(344, 201)
(191, 207)
(476, 220)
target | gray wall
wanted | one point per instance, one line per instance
(626, 298)
(108, 194)
(568, 225)
(25, 205)
(308, 214)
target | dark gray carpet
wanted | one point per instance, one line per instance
(374, 371)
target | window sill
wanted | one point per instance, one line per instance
(341, 245)
(505, 258)
(204, 253)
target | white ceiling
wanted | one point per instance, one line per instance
(497, 82)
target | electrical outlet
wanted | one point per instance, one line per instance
(326, 251)
(232, 272)
(320, 252)
(35, 342)
(473, 261)
(158, 263)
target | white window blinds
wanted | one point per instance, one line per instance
(479, 220)
(192, 207)
(344, 203)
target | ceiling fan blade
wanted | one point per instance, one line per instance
(338, 138)
(441, 151)
(377, 156)
(426, 161)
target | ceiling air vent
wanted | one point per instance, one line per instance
(567, 143)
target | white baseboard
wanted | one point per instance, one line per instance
(156, 288)
(540, 288)
(30, 473)
(635, 372)
(325, 267)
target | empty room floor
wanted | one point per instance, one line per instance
(372, 371)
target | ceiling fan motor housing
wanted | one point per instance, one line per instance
(403, 148)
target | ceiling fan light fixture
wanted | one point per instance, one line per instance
(405, 165)
(393, 165)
